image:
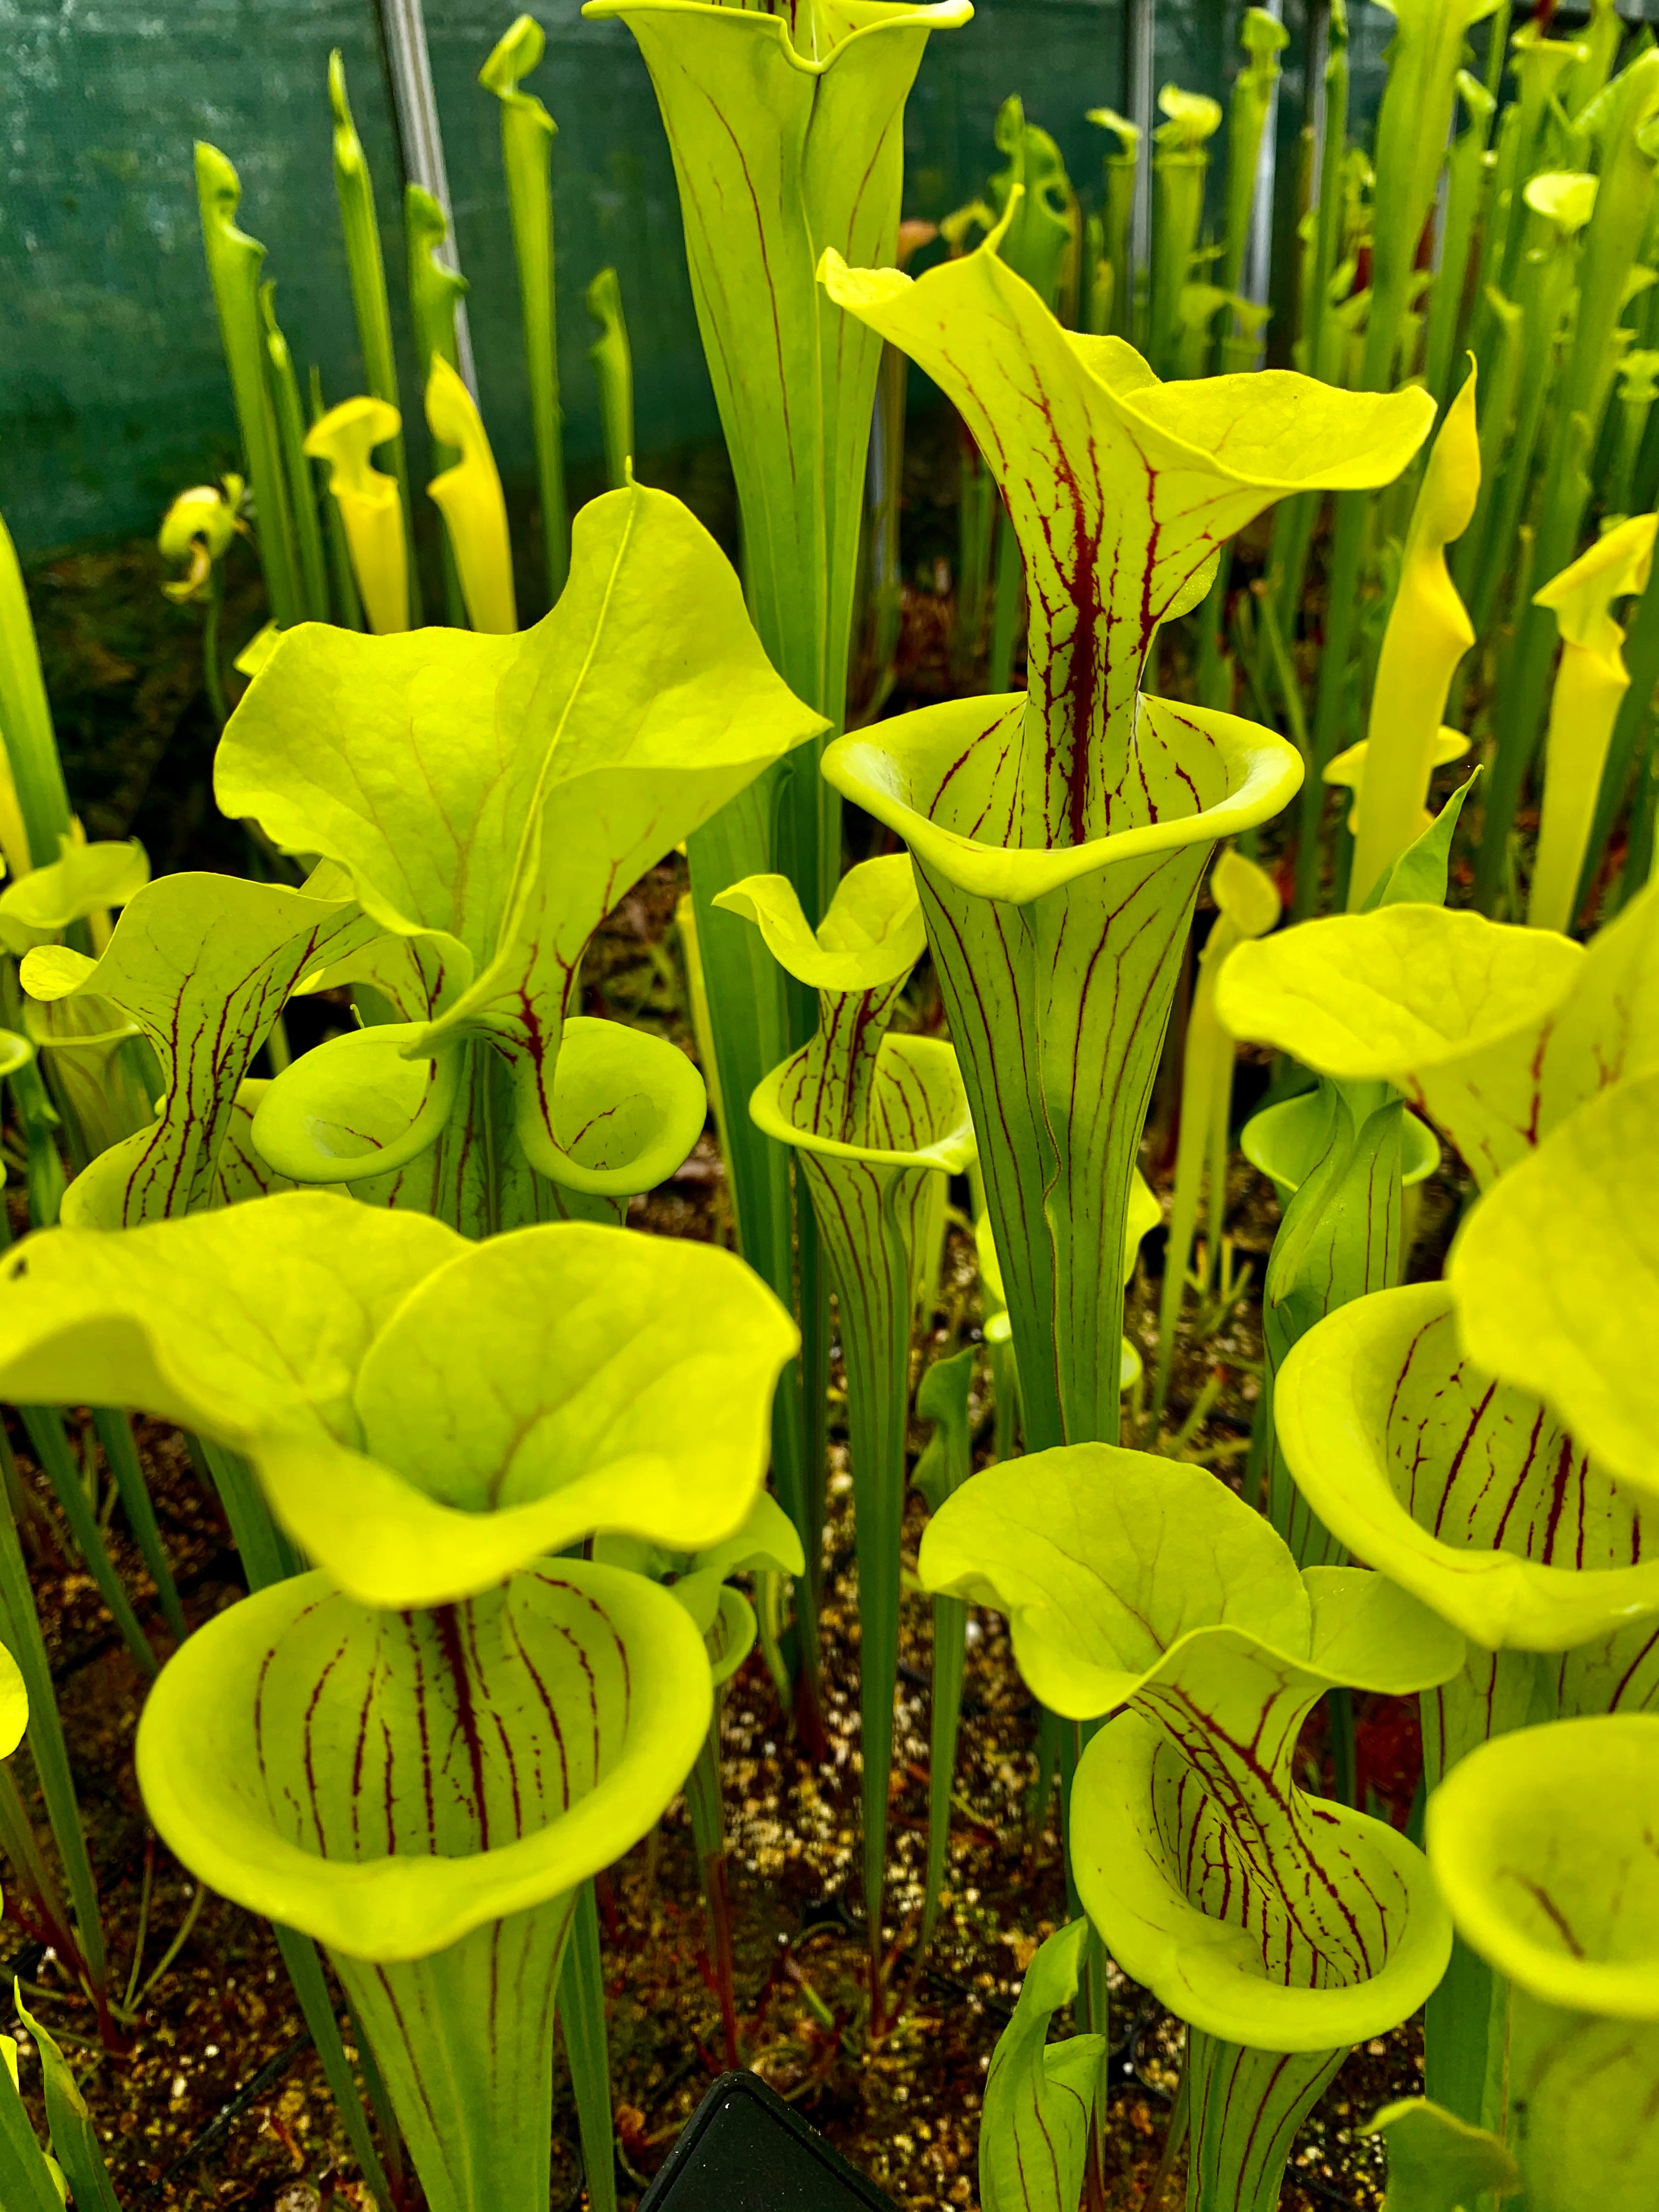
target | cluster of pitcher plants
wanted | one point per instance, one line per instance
(491, 1457)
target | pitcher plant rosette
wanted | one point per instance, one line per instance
(416, 1751)
(487, 799)
(878, 1123)
(1463, 1476)
(1144, 1596)
(1060, 835)
(1423, 1426)
(1438, 1425)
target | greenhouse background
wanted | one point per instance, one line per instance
(875, 1317)
(112, 388)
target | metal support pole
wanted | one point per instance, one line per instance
(1319, 53)
(402, 33)
(1138, 73)
(1258, 260)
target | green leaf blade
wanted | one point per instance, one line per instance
(1040, 2099)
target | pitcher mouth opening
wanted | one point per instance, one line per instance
(925, 15)
(1209, 1970)
(1504, 1833)
(286, 1830)
(948, 1150)
(945, 778)
(1332, 1399)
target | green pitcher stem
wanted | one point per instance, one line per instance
(1463, 2060)
(1005, 1398)
(1245, 2107)
(977, 510)
(884, 565)
(1070, 1739)
(305, 1970)
(290, 424)
(1181, 175)
(1631, 732)
(1341, 1239)
(1463, 2051)
(49, 1444)
(233, 260)
(20, 1627)
(121, 1455)
(435, 290)
(29, 742)
(527, 149)
(1088, 972)
(464, 2039)
(265, 1553)
(371, 305)
(704, 1802)
(1292, 545)
(1467, 195)
(1486, 552)
(348, 609)
(751, 1028)
(1207, 1061)
(1215, 685)
(866, 1216)
(587, 2049)
(1336, 709)
(950, 1656)
(213, 674)
(613, 372)
(1005, 605)
(1327, 236)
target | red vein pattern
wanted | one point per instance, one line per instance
(774, 164)
(377, 1737)
(1481, 1466)
(829, 1087)
(1121, 491)
(1057, 1009)
(1204, 1758)
(204, 964)
(1246, 2106)
(1034, 2139)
